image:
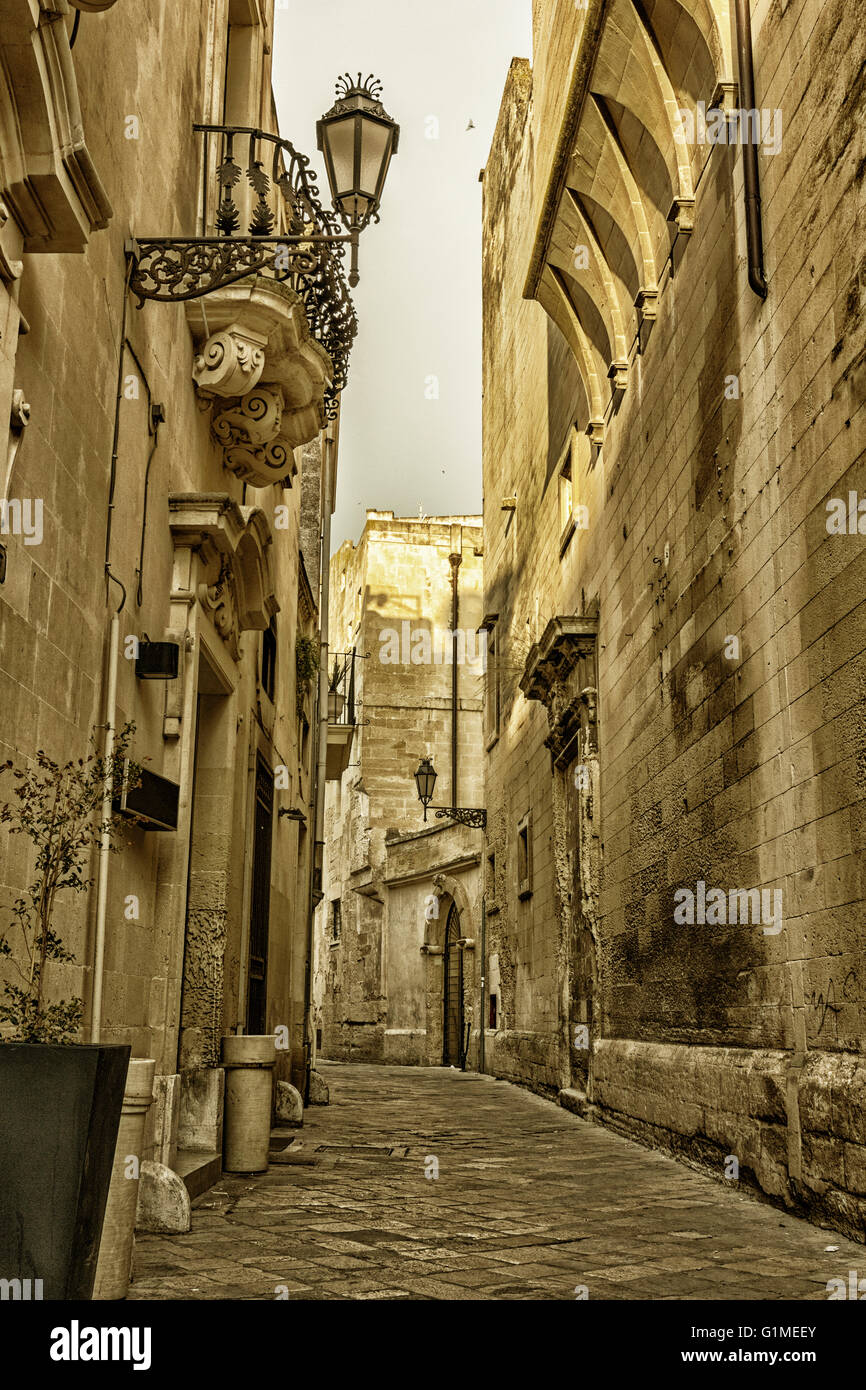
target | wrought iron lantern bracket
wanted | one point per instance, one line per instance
(289, 236)
(474, 816)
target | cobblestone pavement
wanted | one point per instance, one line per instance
(529, 1203)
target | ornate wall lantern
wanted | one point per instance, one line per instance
(425, 781)
(358, 139)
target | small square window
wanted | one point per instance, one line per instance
(524, 857)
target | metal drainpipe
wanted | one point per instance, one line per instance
(318, 848)
(105, 835)
(751, 179)
(455, 561)
(483, 1000)
(110, 698)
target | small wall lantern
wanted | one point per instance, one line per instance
(157, 661)
(425, 781)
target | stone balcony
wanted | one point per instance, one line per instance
(262, 375)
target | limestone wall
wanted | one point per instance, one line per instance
(737, 763)
(144, 75)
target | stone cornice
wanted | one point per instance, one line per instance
(561, 671)
(47, 177)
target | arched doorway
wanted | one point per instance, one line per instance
(452, 1052)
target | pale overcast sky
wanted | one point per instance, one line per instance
(419, 300)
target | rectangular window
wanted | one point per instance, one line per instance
(566, 495)
(244, 65)
(566, 499)
(524, 857)
(336, 918)
(269, 659)
(492, 1021)
(493, 686)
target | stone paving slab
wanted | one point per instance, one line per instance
(530, 1202)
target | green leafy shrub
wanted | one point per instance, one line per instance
(306, 666)
(57, 806)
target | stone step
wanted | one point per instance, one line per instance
(198, 1170)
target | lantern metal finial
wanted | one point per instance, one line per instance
(371, 87)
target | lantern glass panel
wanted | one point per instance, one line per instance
(340, 144)
(375, 142)
(425, 779)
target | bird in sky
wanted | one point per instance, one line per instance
(471, 125)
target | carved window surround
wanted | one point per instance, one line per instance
(47, 178)
(223, 558)
(562, 671)
(262, 375)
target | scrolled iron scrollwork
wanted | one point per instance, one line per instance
(308, 256)
(465, 815)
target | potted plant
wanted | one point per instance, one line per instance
(61, 1100)
(336, 698)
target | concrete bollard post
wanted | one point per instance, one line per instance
(114, 1264)
(249, 1063)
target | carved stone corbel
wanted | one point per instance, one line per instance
(220, 603)
(257, 353)
(251, 419)
(249, 428)
(231, 362)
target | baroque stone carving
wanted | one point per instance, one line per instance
(249, 429)
(230, 363)
(251, 419)
(203, 977)
(561, 671)
(256, 351)
(234, 584)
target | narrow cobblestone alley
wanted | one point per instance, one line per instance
(529, 1203)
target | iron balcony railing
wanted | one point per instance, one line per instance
(260, 213)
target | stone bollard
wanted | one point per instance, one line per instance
(289, 1107)
(249, 1063)
(114, 1264)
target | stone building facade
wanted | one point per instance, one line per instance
(398, 931)
(164, 446)
(675, 512)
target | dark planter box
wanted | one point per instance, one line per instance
(59, 1116)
